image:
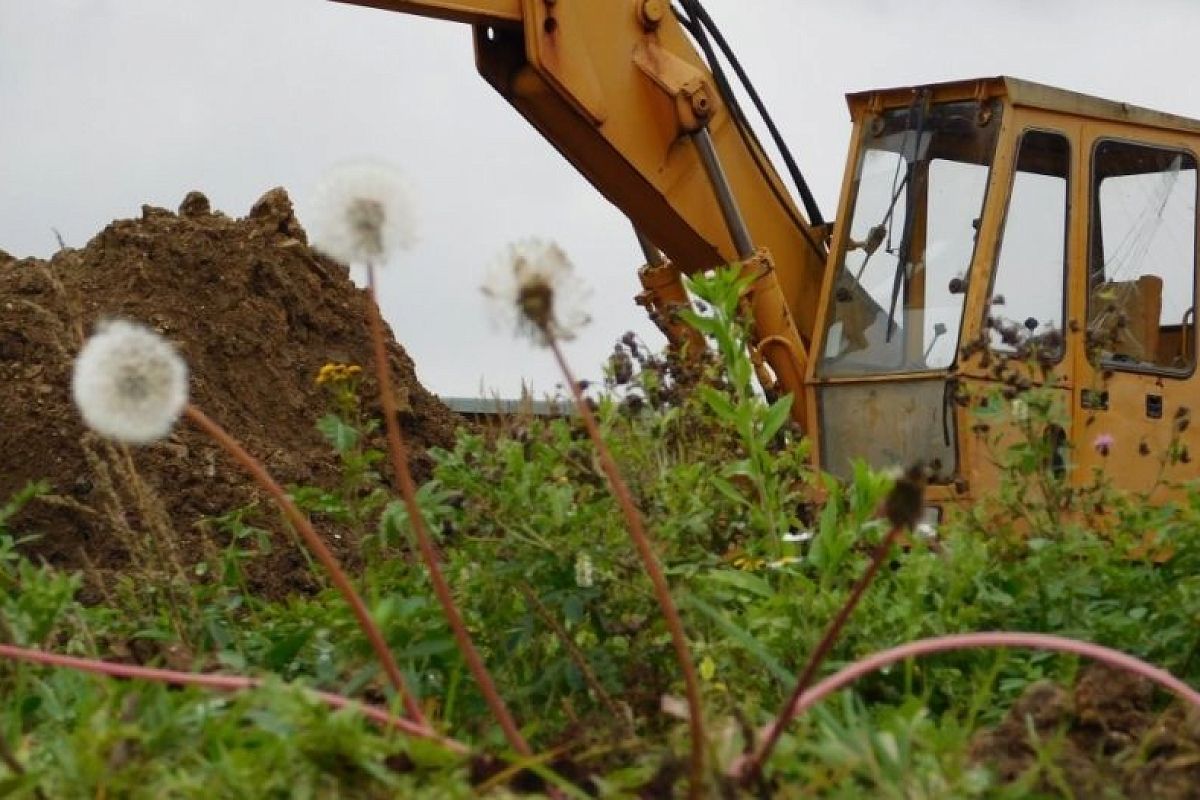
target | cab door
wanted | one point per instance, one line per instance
(1136, 299)
(1021, 298)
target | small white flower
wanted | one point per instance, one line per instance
(362, 213)
(585, 571)
(534, 288)
(129, 383)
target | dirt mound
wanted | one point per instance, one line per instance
(254, 311)
(1102, 740)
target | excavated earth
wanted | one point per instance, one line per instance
(1105, 738)
(256, 313)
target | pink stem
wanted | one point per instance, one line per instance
(969, 641)
(398, 454)
(224, 683)
(645, 551)
(318, 547)
(826, 644)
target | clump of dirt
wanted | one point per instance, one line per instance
(1104, 739)
(255, 312)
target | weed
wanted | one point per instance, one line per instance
(534, 554)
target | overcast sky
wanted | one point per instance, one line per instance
(108, 104)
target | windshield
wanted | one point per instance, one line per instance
(919, 190)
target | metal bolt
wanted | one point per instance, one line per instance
(651, 13)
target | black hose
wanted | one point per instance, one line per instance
(700, 15)
(743, 127)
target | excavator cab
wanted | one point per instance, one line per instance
(995, 236)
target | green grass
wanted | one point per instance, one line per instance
(585, 664)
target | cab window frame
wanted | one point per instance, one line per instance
(1095, 245)
(1065, 273)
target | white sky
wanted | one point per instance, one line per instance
(108, 104)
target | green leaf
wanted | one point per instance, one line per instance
(719, 403)
(18, 500)
(741, 372)
(700, 322)
(342, 436)
(429, 755)
(573, 608)
(726, 488)
(740, 637)
(776, 416)
(284, 651)
(429, 647)
(391, 524)
(745, 581)
(743, 467)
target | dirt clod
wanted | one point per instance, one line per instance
(254, 311)
(194, 204)
(1105, 739)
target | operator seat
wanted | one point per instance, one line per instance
(1125, 318)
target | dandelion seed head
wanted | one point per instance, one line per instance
(129, 383)
(362, 213)
(534, 289)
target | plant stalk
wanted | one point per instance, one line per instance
(408, 490)
(328, 560)
(662, 591)
(832, 632)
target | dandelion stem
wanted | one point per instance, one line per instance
(328, 560)
(641, 542)
(832, 632)
(226, 683)
(399, 458)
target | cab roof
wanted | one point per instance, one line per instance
(1028, 94)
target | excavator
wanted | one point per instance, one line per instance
(993, 237)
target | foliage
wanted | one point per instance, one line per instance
(534, 546)
(759, 425)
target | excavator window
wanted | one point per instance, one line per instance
(919, 189)
(1026, 302)
(1143, 257)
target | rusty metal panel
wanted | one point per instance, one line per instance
(886, 424)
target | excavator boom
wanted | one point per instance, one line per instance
(619, 89)
(476, 12)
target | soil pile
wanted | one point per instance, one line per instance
(1104, 739)
(254, 311)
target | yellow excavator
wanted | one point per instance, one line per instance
(992, 234)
